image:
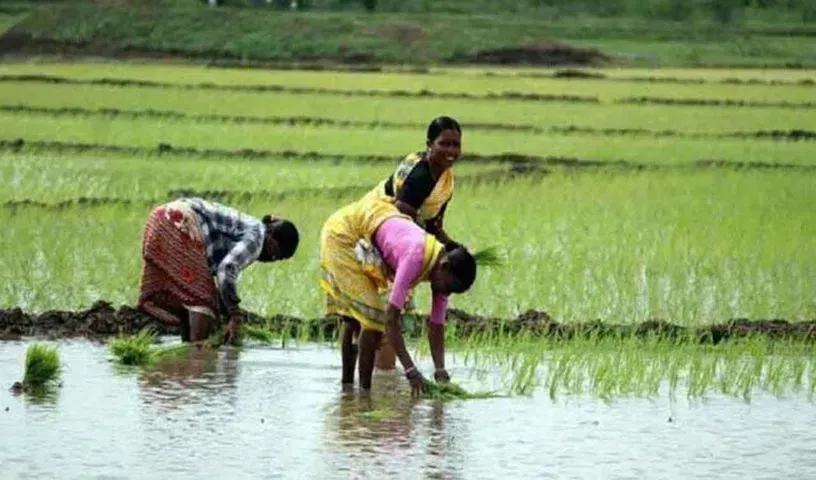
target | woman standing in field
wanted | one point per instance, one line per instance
(367, 247)
(422, 184)
(422, 187)
(193, 251)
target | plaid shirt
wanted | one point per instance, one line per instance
(233, 241)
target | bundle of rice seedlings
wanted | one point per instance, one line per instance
(451, 391)
(136, 349)
(490, 257)
(42, 369)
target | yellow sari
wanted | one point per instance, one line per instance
(432, 206)
(354, 277)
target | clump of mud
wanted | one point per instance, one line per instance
(102, 320)
(542, 53)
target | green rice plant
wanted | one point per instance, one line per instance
(138, 350)
(445, 82)
(143, 349)
(413, 111)
(397, 142)
(148, 180)
(490, 257)
(42, 368)
(446, 391)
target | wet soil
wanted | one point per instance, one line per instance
(103, 320)
(542, 53)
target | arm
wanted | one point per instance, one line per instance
(436, 336)
(408, 268)
(436, 229)
(244, 252)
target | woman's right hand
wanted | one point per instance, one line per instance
(417, 383)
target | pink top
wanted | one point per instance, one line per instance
(402, 244)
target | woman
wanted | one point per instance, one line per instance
(193, 251)
(367, 247)
(422, 187)
(422, 184)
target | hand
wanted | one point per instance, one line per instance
(416, 381)
(231, 330)
(441, 375)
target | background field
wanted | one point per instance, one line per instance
(607, 210)
(652, 33)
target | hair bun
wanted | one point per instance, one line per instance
(267, 219)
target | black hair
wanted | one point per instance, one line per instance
(463, 266)
(285, 233)
(440, 124)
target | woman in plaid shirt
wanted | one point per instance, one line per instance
(193, 251)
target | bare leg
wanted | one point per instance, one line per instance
(369, 339)
(200, 325)
(386, 357)
(351, 331)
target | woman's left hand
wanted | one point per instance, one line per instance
(441, 375)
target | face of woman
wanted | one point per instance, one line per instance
(445, 149)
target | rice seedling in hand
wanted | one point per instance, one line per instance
(490, 257)
(451, 391)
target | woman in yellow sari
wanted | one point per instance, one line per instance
(422, 187)
(368, 248)
(422, 184)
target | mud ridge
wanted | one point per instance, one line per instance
(705, 102)
(115, 82)
(564, 74)
(781, 135)
(102, 321)
(540, 53)
(577, 74)
(20, 145)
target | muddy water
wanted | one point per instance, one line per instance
(280, 413)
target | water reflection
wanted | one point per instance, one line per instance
(422, 438)
(198, 377)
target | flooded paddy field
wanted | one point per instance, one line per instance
(653, 317)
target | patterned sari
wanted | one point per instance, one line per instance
(175, 277)
(354, 277)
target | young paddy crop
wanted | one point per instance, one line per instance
(52, 177)
(690, 247)
(609, 368)
(411, 112)
(445, 82)
(143, 132)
